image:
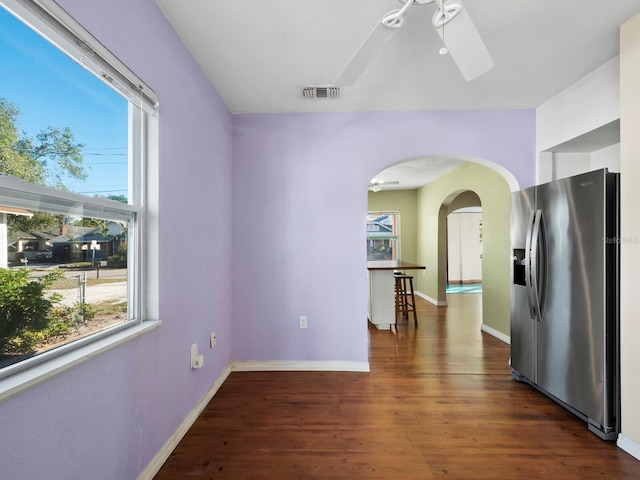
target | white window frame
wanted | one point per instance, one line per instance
(54, 24)
(395, 237)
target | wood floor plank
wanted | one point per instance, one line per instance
(439, 403)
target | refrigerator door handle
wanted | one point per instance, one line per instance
(538, 264)
(527, 265)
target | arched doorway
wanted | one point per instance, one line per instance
(464, 243)
(423, 212)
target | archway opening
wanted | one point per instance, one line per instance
(464, 244)
(422, 238)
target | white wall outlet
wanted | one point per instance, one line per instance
(197, 361)
(303, 321)
(212, 339)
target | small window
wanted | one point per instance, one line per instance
(383, 236)
(74, 126)
(30, 247)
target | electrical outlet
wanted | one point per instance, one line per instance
(197, 361)
(303, 321)
(212, 339)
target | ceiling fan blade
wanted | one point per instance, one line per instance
(465, 45)
(368, 50)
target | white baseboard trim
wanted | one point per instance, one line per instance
(153, 467)
(430, 300)
(258, 366)
(629, 446)
(495, 333)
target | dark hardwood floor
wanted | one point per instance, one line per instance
(439, 402)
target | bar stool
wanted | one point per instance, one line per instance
(405, 300)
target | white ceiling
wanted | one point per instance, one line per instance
(258, 54)
(412, 174)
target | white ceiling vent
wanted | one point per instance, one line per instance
(321, 92)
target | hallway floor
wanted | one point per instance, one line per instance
(464, 287)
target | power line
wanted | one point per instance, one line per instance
(63, 152)
(83, 151)
(105, 163)
(96, 154)
(104, 148)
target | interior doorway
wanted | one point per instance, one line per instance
(464, 244)
(464, 247)
(423, 231)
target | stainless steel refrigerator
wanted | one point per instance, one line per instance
(564, 295)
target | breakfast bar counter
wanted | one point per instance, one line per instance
(382, 303)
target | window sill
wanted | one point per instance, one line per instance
(23, 380)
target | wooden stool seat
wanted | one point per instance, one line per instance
(405, 300)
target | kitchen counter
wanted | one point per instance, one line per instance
(393, 265)
(382, 302)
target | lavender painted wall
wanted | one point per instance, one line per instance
(297, 191)
(299, 202)
(106, 418)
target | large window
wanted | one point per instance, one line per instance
(383, 234)
(75, 129)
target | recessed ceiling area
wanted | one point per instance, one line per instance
(260, 54)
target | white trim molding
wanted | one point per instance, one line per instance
(495, 333)
(258, 366)
(37, 373)
(430, 300)
(629, 446)
(154, 466)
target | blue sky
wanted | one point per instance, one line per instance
(49, 89)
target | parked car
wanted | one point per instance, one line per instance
(45, 255)
(56, 253)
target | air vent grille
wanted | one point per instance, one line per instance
(321, 92)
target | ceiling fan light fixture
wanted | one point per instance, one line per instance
(376, 184)
(395, 18)
(445, 13)
(464, 44)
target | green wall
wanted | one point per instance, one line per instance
(403, 201)
(432, 208)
